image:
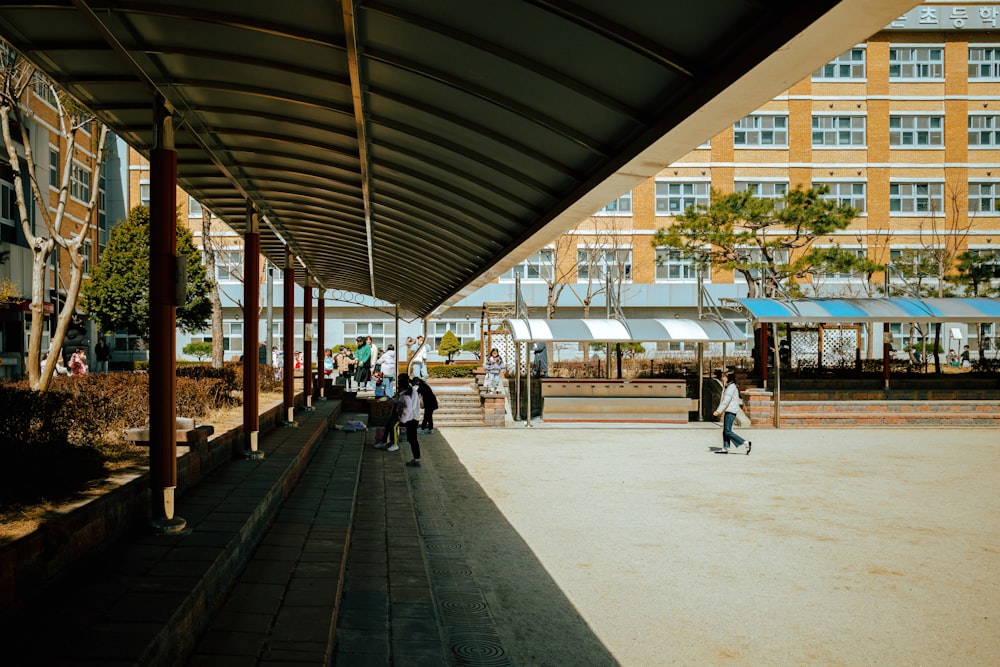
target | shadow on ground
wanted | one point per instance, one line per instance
(497, 603)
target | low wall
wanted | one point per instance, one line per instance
(87, 527)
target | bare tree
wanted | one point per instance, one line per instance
(608, 254)
(218, 351)
(16, 79)
(561, 266)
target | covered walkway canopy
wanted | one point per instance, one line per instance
(623, 331)
(860, 311)
(413, 150)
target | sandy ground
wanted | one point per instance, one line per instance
(639, 546)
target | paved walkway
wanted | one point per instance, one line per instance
(591, 546)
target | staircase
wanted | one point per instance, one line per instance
(459, 403)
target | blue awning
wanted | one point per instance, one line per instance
(857, 311)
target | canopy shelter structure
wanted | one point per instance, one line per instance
(413, 150)
(717, 330)
(862, 311)
(623, 331)
(409, 150)
(885, 310)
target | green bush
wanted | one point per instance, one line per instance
(452, 371)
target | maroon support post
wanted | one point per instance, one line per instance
(251, 333)
(763, 353)
(164, 294)
(321, 336)
(886, 355)
(307, 353)
(288, 338)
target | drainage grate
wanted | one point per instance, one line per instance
(463, 612)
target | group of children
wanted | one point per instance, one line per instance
(413, 410)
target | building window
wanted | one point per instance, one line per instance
(229, 264)
(676, 265)
(916, 131)
(232, 336)
(466, 331)
(8, 206)
(79, 183)
(984, 62)
(860, 253)
(675, 198)
(838, 130)
(984, 131)
(86, 251)
(194, 208)
(849, 193)
(984, 198)
(54, 168)
(593, 264)
(102, 212)
(43, 89)
(761, 130)
(850, 65)
(907, 198)
(144, 193)
(381, 332)
(766, 190)
(916, 62)
(537, 268)
(620, 206)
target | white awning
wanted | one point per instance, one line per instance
(625, 331)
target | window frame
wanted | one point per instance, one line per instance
(990, 125)
(583, 265)
(994, 197)
(620, 206)
(686, 264)
(697, 198)
(759, 128)
(837, 64)
(911, 125)
(80, 182)
(837, 196)
(543, 269)
(993, 63)
(935, 69)
(900, 212)
(838, 132)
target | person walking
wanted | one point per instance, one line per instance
(418, 359)
(430, 404)
(409, 415)
(363, 364)
(494, 366)
(102, 352)
(387, 366)
(729, 406)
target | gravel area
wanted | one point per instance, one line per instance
(640, 546)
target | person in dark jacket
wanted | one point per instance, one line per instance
(430, 404)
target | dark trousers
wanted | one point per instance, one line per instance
(428, 423)
(411, 437)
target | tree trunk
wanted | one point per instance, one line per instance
(218, 350)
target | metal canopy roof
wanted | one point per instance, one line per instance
(856, 311)
(621, 331)
(412, 150)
